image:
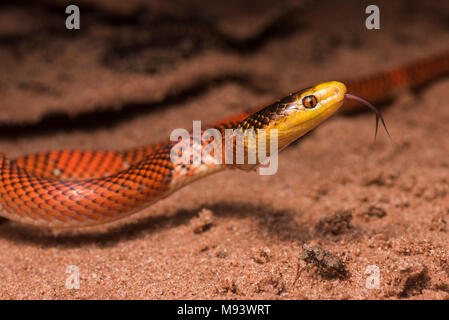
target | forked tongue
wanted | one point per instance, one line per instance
(365, 102)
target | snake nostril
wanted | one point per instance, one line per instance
(336, 90)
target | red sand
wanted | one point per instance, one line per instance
(248, 239)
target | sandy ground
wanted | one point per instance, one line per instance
(378, 206)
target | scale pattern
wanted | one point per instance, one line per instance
(34, 199)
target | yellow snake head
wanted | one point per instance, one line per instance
(296, 114)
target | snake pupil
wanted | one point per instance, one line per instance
(309, 101)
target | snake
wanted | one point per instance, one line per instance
(82, 188)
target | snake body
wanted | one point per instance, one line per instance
(81, 188)
(382, 86)
(76, 188)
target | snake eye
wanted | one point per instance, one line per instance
(309, 101)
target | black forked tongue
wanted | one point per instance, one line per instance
(365, 102)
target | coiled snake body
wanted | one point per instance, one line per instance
(74, 188)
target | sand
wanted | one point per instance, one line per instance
(377, 207)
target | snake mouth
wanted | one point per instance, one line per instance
(376, 111)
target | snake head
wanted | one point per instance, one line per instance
(302, 111)
(286, 120)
